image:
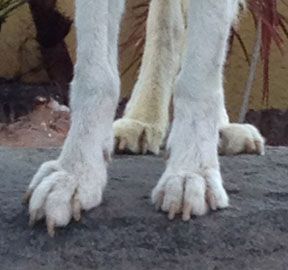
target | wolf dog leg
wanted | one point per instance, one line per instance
(76, 180)
(239, 138)
(192, 182)
(146, 117)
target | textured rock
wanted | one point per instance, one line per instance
(127, 233)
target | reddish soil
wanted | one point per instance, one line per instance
(30, 117)
(42, 128)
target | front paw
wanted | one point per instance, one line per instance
(58, 195)
(191, 193)
(138, 137)
(241, 139)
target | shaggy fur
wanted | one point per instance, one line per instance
(186, 50)
(146, 119)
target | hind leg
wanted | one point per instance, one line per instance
(239, 138)
(146, 118)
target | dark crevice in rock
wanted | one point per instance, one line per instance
(272, 123)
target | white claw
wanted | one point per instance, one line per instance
(56, 195)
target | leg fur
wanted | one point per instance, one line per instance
(146, 118)
(238, 138)
(75, 181)
(145, 122)
(192, 181)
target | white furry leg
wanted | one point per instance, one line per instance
(192, 181)
(76, 180)
(241, 139)
(238, 138)
(146, 118)
(137, 136)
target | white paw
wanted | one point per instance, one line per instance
(239, 139)
(58, 194)
(137, 137)
(190, 193)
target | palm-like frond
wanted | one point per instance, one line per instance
(274, 29)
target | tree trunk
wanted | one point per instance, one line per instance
(52, 27)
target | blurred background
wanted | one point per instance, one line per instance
(37, 52)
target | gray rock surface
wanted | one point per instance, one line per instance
(127, 233)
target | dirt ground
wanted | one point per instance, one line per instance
(47, 126)
(44, 127)
(30, 116)
(126, 233)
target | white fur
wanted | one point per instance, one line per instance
(148, 109)
(75, 181)
(240, 138)
(198, 108)
(144, 125)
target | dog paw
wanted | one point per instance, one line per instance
(190, 193)
(57, 194)
(137, 137)
(241, 139)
